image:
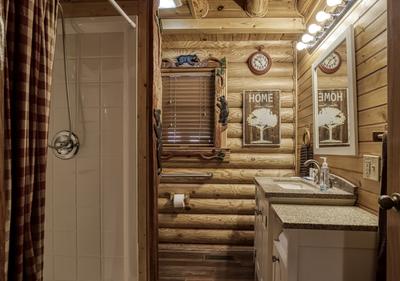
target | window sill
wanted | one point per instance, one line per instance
(202, 154)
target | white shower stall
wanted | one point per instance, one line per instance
(91, 215)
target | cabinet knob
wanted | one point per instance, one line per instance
(275, 259)
(387, 202)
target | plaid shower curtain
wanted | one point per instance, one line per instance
(30, 27)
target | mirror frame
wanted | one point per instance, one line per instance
(352, 149)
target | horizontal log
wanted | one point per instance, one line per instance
(236, 99)
(167, 250)
(220, 191)
(240, 69)
(255, 83)
(236, 115)
(229, 45)
(240, 160)
(294, 25)
(209, 206)
(235, 237)
(235, 130)
(238, 222)
(205, 270)
(262, 37)
(240, 55)
(226, 175)
(236, 145)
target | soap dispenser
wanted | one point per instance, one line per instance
(324, 176)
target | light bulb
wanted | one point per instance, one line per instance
(300, 46)
(169, 4)
(307, 38)
(322, 16)
(333, 3)
(314, 28)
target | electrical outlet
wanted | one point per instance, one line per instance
(371, 167)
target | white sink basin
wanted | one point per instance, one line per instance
(293, 186)
(294, 183)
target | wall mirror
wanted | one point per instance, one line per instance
(335, 98)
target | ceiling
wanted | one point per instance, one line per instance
(227, 20)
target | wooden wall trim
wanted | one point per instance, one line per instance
(147, 180)
(2, 195)
(393, 246)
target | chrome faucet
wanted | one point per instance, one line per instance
(317, 176)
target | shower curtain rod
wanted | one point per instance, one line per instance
(122, 13)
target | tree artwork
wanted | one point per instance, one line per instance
(262, 119)
(329, 118)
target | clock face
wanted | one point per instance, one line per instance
(331, 64)
(259, 63)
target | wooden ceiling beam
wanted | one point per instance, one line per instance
(234, 9)
(198, 8)
(233, 25)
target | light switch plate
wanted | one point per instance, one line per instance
(371, 167)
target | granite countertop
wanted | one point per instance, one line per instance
(325, 217)
(272, 189)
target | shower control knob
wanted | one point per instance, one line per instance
(387, 202)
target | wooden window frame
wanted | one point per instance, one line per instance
(219, 150)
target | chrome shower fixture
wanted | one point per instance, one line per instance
(65, 145)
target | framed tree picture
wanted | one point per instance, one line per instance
(261, 118)
(332, 117)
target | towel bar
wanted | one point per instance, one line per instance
(188, 175)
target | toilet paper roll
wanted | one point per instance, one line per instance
(179, 200)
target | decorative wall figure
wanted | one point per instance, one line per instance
(187, 59)
(261, 118)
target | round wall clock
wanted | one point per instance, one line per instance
(259, 62)
(331, 64)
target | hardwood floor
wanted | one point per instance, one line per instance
(195, 262)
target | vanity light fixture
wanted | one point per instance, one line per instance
(169, 4)
(326, 21)
(314, 28)
(334, 3)
(300, 46)
(323, 16)
(307, 38)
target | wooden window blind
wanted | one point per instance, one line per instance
(188, 109)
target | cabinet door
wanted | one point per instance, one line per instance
(266, 258)
(258, 238)
(279, 271)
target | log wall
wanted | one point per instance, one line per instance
(371, 64)
(213, 239)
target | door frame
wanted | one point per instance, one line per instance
(147, 175)
(393, 230)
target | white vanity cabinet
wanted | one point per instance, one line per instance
(329, 243)
(270, 191)
(328, 255)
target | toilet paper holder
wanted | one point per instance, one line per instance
(186, 200)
